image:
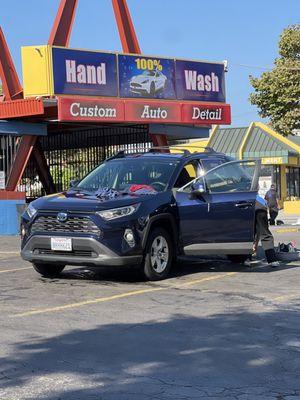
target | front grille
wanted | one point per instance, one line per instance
(74, 253)
(72, 225)
(137, 85)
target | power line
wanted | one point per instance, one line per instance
(245, 113)
(250, 66)
(266, 68)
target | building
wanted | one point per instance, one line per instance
(280, 157)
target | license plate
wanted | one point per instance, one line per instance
(61, 244)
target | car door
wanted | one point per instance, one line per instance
(218, 217)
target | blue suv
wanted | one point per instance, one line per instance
(145, 209)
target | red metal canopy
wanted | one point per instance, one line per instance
(14, 106)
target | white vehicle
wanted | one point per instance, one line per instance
(149, 82)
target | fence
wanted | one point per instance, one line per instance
(72, 154)
(8, 148)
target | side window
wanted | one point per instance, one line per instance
(236, 177)
(210, 163)
(187, 174)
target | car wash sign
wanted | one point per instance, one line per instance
(89, 109)
(200, 81)
(146, 77)
(50, 71)
(84, 72)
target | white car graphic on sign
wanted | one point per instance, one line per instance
(149, 82)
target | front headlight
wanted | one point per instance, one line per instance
(31, 211)
(115, 213)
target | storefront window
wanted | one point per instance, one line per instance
(293, 181)
(269, 174)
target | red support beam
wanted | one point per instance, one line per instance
(12, 88)
(62, 27)
(130, 44)
(159, 140)
(127, 33)
(21, 159)
(43, 169)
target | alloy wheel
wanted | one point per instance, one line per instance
(159, 254)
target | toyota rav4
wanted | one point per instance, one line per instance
(145, 209)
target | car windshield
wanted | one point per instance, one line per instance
(121, 174)
(149, 73)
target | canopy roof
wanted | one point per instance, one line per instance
(256, 141)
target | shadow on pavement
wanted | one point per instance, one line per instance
(231, 354)
(185, 267)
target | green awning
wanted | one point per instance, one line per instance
(228, 140)
(254, 143)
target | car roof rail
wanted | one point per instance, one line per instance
(180, 148)
(184, 151)
(207, 148)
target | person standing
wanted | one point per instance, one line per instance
(272, 200)
(263, 234)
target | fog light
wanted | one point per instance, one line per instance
(129, 237)
(23, 231)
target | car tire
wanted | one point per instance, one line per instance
(152, 89)
(158, 255)
(48, 270)
(238, 258)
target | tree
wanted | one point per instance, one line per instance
(277, 92)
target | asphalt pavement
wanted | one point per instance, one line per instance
(214, 330)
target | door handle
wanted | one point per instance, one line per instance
(244, 204)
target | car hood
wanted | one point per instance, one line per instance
(140, 78)
(83, 201)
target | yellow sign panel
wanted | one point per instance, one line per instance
(294, 160)
(272, 160)
(37, 71)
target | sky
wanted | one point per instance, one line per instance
(244, 32)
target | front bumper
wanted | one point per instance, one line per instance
(139, 90)
(85, 251)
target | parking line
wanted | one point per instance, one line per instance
(87, 302)
(9, 252)
(120, 296)
(14, 269)
(209, 278)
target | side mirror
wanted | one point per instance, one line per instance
(74, 182)
(198, 189)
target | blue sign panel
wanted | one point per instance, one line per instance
(200, 81)
(149, 77)
(84, 72)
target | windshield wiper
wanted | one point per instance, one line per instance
(82, 190)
